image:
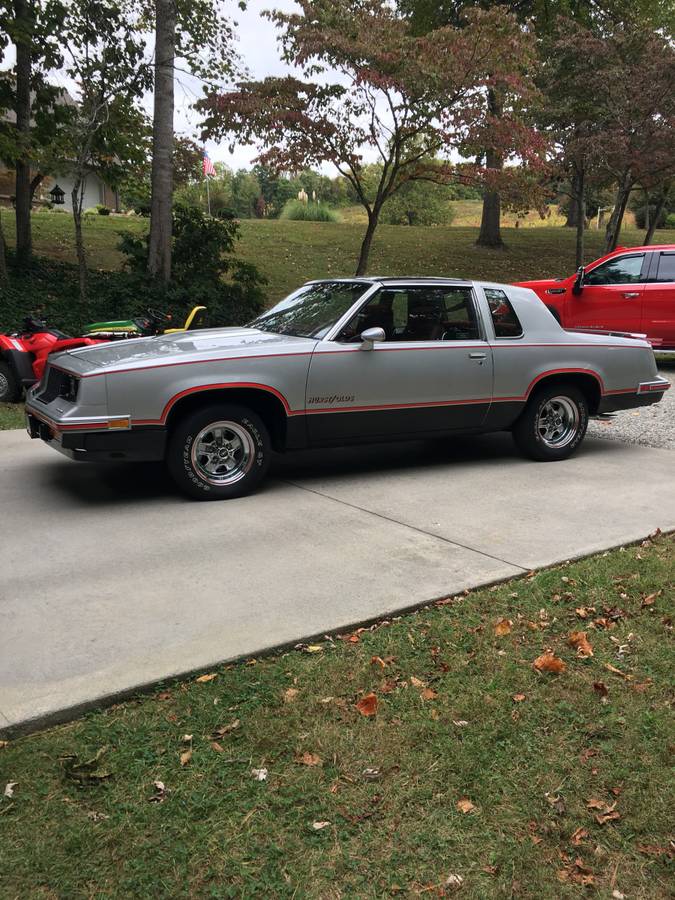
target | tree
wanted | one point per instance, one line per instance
(408, 98)
(26, 99)
(104, 54)
(195, 32)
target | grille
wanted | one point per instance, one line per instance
(57, 384)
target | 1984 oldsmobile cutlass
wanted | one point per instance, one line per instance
(337, 362)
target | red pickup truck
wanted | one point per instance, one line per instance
(630, 289)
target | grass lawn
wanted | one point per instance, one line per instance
(11, 416)
(289, 253)
(266, 780)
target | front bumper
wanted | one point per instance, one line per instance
(134, 445)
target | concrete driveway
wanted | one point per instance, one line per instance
(111, 581)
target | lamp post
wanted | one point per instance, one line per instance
(57, 195)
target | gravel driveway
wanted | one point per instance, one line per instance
(652, 426)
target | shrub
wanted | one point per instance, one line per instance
(670, 221)
(206, 272)
(641, 217)
(298, 211)
(102, 210)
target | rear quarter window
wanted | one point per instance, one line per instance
(504, 318)
(666, 270)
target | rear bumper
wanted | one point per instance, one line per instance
(135, 445)
(647, 393)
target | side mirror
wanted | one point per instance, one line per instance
(370, 336)
(578, 281)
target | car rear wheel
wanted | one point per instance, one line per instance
(219, 452)
(553, 423)
(10, 389)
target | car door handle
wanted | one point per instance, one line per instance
(477, 355)
(630, 294)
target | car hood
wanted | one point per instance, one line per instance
(186, 346)
(541, 284)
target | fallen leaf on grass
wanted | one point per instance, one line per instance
(594, 803)
(650, 598)
(259, 774)
(164, 695)
(460, 723)
(578, 836)
(204, 678)
(518, 698)
(600, 688)
(290, 694)
(319, 826)
(615, 671)
(503, 627)
(185, 757)
(603, 818)
(656, 850)
(557, 802)
(160, 792)
(388, 686)
(417, 682)
(454, 882)
(225, 729)
(577, 873)
(217, 747)
(378, 661)
(9, 789)
(87, 772)
(465, 805)
(579, 641)
(548, 662)
(313, 648)
(428, 694)
(308, 759)
(367, 705)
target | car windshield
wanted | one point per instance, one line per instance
(313, 309)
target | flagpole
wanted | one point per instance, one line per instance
(208, 195)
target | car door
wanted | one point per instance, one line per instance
(658, 307)
(611, 296)
(432, 373)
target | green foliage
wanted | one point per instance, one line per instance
(419, 203)
(102, 210)
(298, 211)
(206, 272)
(670, 221)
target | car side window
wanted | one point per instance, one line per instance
(666, 270)
(620, 270)
(504, 316)
(417, 314)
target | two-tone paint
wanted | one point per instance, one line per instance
(322, 392)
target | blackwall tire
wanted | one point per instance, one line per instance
(219, 452)
(10, 389)
(553, 424)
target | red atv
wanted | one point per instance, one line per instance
(23, 356)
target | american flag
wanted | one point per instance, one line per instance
(207, 166)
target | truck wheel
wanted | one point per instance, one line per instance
(10, 389)
(553, 423)
(219, 452)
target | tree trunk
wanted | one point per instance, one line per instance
(647, 222)
(653, 222)
(159, 256)
(373, 217)
(4, 279)
(573, 208)
(580, 204)
(490, 234)
(77, 199)
(615, 220)
(24, 23)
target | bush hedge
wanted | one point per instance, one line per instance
(298, 211)
(206, 273)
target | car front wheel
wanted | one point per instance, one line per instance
(553, 423)
(219, 452)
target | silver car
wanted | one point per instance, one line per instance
(338, 362)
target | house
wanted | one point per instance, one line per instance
(96, 191)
